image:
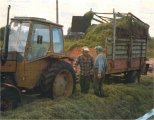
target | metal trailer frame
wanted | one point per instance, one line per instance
(124, 54)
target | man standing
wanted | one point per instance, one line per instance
(100, 67)
(85, 61)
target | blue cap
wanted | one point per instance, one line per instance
(99, 48)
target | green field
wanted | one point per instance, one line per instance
(150, 50)
(122, 101)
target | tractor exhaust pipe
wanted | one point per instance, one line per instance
(6, 38)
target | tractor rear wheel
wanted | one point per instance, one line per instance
(58, 80)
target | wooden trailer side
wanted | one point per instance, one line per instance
(129, 54)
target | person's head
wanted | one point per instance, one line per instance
(99, 49)
(85, 51)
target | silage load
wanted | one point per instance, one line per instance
(126, 27)
(96, 34)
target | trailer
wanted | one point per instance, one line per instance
(126, 49)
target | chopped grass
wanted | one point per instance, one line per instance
(122, 101)
(96, 34)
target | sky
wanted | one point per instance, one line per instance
(143, 9)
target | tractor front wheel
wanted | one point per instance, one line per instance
(10, 98)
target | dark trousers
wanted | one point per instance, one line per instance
(84, 83)
(98, 86)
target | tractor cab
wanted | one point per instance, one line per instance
(34, 38)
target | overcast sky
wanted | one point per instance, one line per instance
(143, 9)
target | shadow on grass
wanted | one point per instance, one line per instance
(114, 79)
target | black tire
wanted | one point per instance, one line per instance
(132, 77)
(10, 99)
(62, 72)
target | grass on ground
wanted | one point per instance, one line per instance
(122, 101)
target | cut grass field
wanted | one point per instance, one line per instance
(122, 101)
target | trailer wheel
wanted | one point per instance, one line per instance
(10, 98)
(132, 77)
(58, 80)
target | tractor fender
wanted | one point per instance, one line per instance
(68, 60)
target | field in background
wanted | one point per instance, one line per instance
(150, 50)
(122, 101)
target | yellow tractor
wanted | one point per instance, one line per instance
(33, 60)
